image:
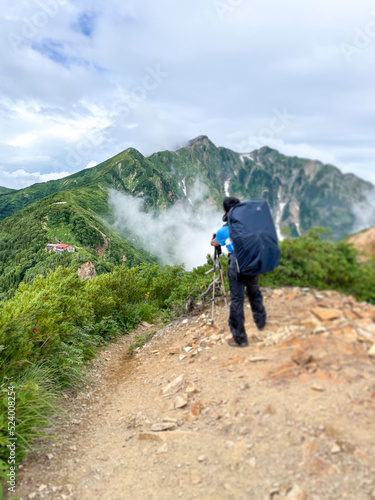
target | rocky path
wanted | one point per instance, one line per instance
(187, 416)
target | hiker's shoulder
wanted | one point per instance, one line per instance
(224, 230)
(222, 235)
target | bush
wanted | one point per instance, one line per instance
(310, 261)
(36, 401)
(41, 317)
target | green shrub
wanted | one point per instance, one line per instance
(40, 318)
(310, 261)
(36, 401)
(54, 325)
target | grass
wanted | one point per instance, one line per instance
(37, 403)
(140, 340)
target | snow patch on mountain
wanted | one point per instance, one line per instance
(226, 187)
(243, 156)
(183, 186)
(295, 211)
(279, 214)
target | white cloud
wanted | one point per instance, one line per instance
(92, 164)
(78, 84)
(21, 178)
(23, 140)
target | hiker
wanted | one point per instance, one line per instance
(238, 284)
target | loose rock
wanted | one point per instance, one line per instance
(191, 388)
(335, 449)
(296, 493)
(162, 449)
(180, 402)
(163, 426)
(173, 386)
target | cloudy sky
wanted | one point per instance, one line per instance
(81, 81)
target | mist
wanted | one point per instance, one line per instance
(180, 234)
(364, 213)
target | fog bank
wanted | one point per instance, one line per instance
(180, 234)
(364, 213)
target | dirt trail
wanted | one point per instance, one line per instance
(291, 416)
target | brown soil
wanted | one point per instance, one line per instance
(364, 242)
(291, 416)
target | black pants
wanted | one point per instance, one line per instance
(237, 286)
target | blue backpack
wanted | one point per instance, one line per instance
(254, 238)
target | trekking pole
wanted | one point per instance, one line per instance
(217, 264)
(222, 282)
(213, 293)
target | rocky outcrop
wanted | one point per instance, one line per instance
(87, 271)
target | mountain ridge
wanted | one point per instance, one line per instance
(19, 199)
(263, 173)
(301, 193)
(235, 171)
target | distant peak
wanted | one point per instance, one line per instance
(267, 150)
(201, 140)
(132, 150)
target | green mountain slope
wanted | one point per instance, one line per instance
(129, 171)
(200, 159)
(5, 190)
(65, 217)
(302, 193)
(76, 215)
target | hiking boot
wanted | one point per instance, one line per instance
(233, 343)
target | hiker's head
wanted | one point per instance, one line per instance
(228, 203)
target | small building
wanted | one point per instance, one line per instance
(59, 247)
(51, 247)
